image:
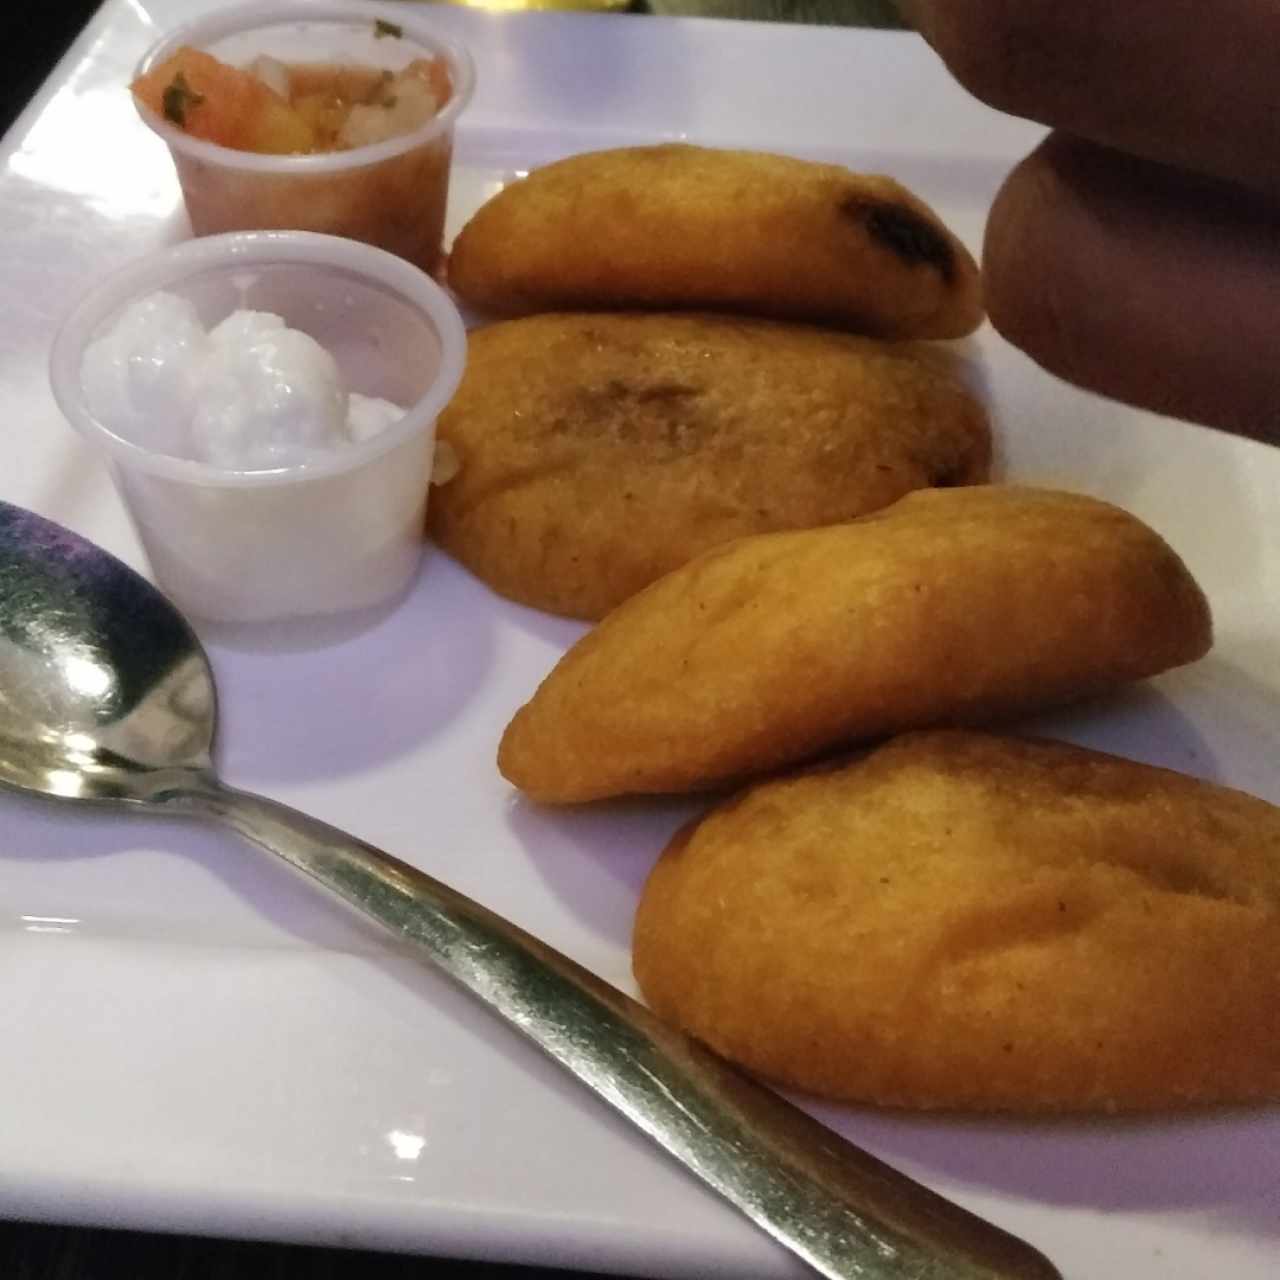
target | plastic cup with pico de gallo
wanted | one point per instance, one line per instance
(335, 118)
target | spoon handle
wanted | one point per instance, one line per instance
(843, 1211)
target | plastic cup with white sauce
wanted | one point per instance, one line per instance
(330, 532)
(392, 193)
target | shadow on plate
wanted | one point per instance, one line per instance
(345, 709)
(1221, 1160)
(271, 905)
(595, 858)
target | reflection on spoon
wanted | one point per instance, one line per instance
(106, 695)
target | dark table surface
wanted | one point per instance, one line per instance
(34, 38)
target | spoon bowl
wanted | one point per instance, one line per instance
(106, 695)
(105, 691)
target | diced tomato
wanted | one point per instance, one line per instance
(223, 104)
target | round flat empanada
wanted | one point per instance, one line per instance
(599, 451)
(961, 920)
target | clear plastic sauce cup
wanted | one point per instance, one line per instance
(340, 532)
(392, 194)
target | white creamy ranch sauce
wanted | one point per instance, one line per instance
(251, 394)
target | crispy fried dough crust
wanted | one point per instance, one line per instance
(953, 606)
(961, 920)
(600, 451)
(682, 226)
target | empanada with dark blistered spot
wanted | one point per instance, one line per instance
(696, 227)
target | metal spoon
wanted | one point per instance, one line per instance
(106, 695)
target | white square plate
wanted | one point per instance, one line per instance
(193, 1041)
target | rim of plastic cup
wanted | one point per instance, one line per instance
(248, 249)
(239, 18)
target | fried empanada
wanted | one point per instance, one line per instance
(599, 451)
(961, 920)
(678, 226)
(952, 606)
